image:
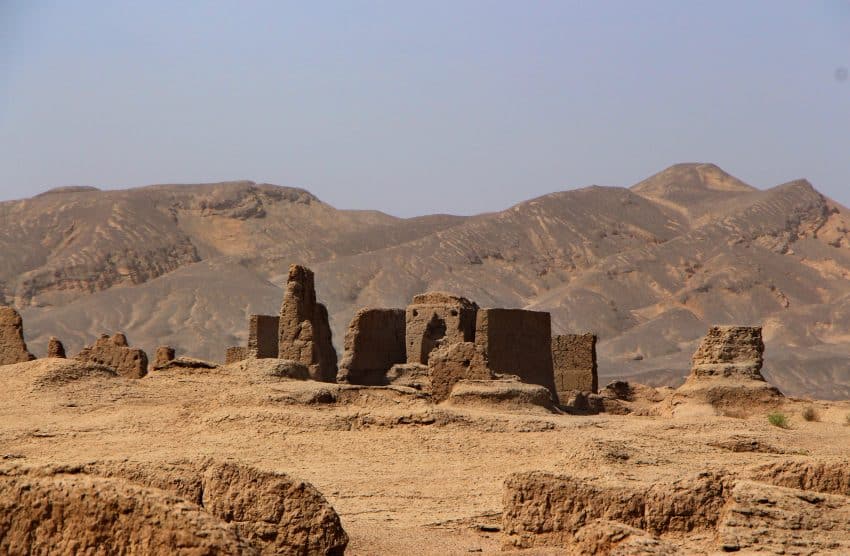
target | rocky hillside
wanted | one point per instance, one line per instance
(648, 267)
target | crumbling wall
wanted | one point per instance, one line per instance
(434, 319)
(263, 331)
(13, 348)
(164, 356)
(451, 363)
(234, 354)
(305, 332)
(574, 364)
(374, 342)
(114, 353)
(517, 342)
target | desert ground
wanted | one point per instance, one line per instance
(405, 475)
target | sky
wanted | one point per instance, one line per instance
(457, 106)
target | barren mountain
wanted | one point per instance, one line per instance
(648, 268)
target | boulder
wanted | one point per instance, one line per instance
(164, 355)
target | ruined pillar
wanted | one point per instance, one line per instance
(435, 319)
(574, 362)
(13, 348)
(304, 331)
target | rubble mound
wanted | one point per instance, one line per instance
(270, 369)
(506, 394)
(79, 514)
(411, 375)
(185, 363)
(13, 348)
(114, 352)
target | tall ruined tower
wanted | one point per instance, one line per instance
(304, 331)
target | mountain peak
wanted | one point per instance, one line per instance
(690, 177)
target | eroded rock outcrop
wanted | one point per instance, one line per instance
(305, 333)
(114, 352)
(374, 342)
(55, 348)
(13, 348)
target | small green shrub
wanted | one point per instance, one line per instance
(810, 414)
(778, 419)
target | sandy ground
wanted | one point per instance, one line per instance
(406, 476)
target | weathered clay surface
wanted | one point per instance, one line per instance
(517, 342)
(777, 520)
(506, 394)
(113, 352)
(234, 354)
(541, 509)
(13, 348)
(434, 319)
(164, 355)
(453, 362)
(55, 348)
(817, 476)
(283, 515)
(305, 333)
(574, 363)
(263, 331)
(612, 538)
(79, 514)
(374, 342)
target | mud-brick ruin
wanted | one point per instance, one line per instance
(13, 348)
(574, 362)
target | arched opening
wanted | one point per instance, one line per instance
(435, 331)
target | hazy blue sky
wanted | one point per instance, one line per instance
(411, 108)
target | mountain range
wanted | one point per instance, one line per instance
(648, 268)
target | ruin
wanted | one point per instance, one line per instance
(730, 351)
(164, 356)
(434, 319)
(726, 371)
(517, 342)
(115, 353)
(55, 348)
(13, 348)
(305, 333)
(263, 333)
(374, 342)
(451, 363)
(234, 354)
(574, 363)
